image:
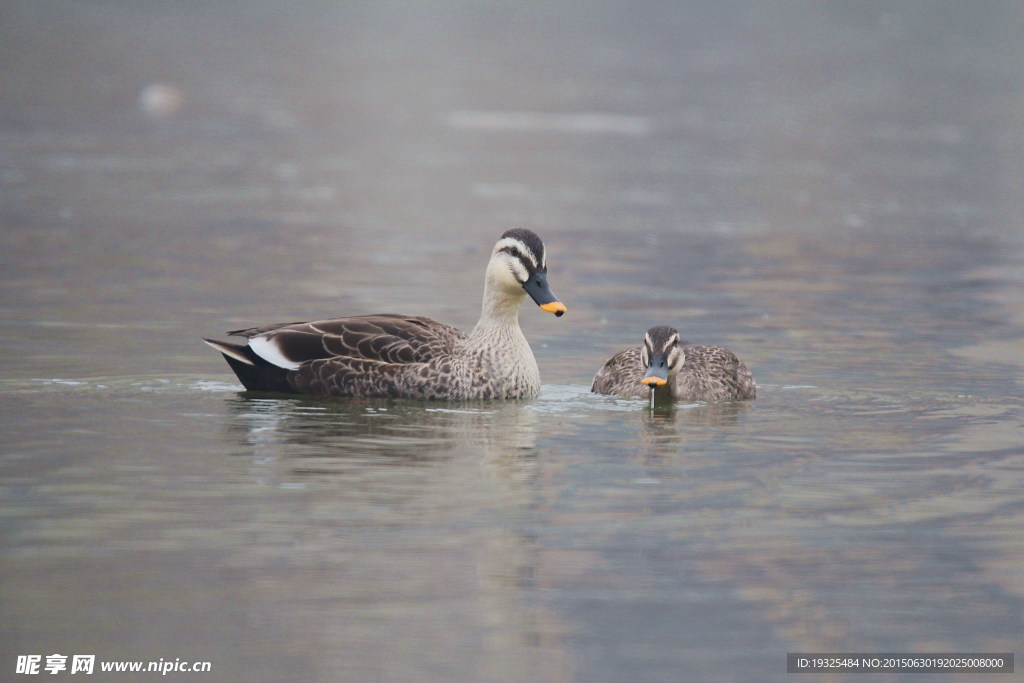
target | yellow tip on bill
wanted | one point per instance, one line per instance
(653, 381)
(556, 307)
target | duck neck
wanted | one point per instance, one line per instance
(499, 314)
(499, 349)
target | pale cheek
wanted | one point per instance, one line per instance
(677, 362)
(500, 275)
(513, 276)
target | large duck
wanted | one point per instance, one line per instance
(390, 355)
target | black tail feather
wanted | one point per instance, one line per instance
(255, 373)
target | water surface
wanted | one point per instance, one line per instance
(830, 192)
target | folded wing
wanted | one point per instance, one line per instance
(383, 338)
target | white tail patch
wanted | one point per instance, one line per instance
(268, 350)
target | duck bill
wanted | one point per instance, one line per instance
(657, 372)
(538, 289)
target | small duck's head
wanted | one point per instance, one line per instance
(518, 263)
(662, 355)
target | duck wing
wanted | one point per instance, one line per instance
(712, 373)
(381, 338)
(620, 375)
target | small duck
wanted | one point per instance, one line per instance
(675, 371)
(399, 356)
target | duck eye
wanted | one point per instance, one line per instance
(514, 251)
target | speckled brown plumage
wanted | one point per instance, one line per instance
(389, 355)
(699, 373)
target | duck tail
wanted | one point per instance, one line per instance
(255, 373)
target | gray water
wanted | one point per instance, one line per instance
(832, 190)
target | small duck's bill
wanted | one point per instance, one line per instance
(538, 289)
(657, 371)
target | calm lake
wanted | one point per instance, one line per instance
(832, 190)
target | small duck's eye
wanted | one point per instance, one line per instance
(514, 251)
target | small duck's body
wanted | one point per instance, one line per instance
(675, 371)
(389, 355)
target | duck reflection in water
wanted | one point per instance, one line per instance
(313, 437)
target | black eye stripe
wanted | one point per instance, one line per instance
(529, 241)
(516, 252)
